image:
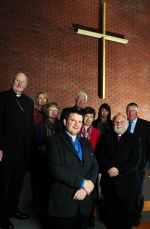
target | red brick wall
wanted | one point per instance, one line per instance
(37, 37)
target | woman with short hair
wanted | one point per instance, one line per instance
(87, 130)
(49, 127)
(91, 133)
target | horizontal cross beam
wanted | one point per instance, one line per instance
(100, 35)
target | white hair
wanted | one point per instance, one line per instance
(82, 93)
(119, 114)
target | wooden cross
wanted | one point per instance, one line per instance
(104, 38)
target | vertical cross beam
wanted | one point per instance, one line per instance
(104, 38)
(103, 69)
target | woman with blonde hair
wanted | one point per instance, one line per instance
(41, 101)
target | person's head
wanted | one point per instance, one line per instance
(132, 111)
(52, 110)
(81, 99)
(19, 82)
(41, 99)
(120, 124)
(104, 112)
(88, 116)
(73, 121)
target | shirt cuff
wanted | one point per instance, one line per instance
(83, 182)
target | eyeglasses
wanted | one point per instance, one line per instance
(131, 110)
(20, 81)
(53, 110)
(82, 100)
(121, 122)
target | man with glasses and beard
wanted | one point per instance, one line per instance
(119, 158)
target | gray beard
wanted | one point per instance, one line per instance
(120, 131)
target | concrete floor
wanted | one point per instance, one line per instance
(34, 221)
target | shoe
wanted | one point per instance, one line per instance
(136, 222)
(6, 224)
(91, 224)
(19, 215)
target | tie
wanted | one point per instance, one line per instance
(118, 138)
(129, 127)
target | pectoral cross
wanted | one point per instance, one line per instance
(104, 37)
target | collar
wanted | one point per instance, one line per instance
(18, 95)
(14, 93)
(134, 121)
(70, 138)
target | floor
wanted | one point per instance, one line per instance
(34, 221)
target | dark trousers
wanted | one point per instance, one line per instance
(11, 182)
(140, 195)
(40, 180)
(120, 213)
(76, 222)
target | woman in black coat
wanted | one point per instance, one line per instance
(103, 122)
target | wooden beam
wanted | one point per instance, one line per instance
(146, 206)
(103, 69)
(100, 35)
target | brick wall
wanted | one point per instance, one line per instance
(37, 37)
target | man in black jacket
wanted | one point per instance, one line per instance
(119, 158)
(16, 129)
(140, 128)
(74, 171)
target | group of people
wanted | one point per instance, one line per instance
(65, 158)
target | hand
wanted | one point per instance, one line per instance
(88, 186)
(80, 194)
(1, 155)
(113, 172)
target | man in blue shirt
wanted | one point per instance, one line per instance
(74, 171)
(140, 128)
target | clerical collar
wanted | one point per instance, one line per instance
(18, 95)
(15, 94)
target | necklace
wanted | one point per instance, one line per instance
(19, 105)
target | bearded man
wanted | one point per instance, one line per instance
(119, 158)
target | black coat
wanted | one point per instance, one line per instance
(125, 156)
(68, 173)
(16, 126)
(142, 129)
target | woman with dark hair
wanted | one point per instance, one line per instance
(87, 130)
(91, 133)
(103, 122)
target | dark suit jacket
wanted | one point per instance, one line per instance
(142, 129)
(68, 173)
(16, 126)
(125, 156)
